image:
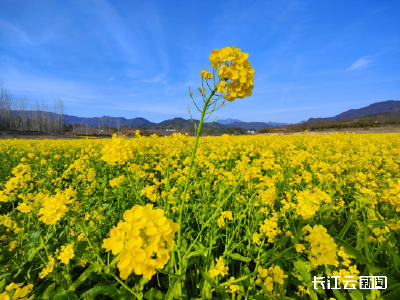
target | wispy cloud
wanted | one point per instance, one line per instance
(13, 33)
(361, 63)
(158, 78)
(111, 78)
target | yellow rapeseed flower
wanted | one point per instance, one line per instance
(66, 253)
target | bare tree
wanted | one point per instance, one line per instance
(5, 108)
(58, 105)
(118, 124)
(22, 115)
(99, 126)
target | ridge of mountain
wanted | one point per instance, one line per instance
(227, 121)
(375, 108)
(250, 125)
(170, 123)
(107, 120)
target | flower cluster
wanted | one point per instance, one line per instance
(380, 234)
(269, 228)
(308, 202)
(20, 292)
(233, 288)
(219, 269)
(117, 151)
(3, 197)
(22, 175)
(392, 195)
(49, 267)
(206, 75)
(13, 245)
(343, 274)
(66, 253)
(150, 191)
(323, 248)
(54, 208)
(25, 208)
(224, 215)
(144, 240)
(267, 277)
(6, 221)
(232, 65)
(117, 181)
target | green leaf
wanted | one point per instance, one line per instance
(238, 280)
(171, 290)
(237, 256)
(101, 289)
(351, 251)
(69, 295)
(154, 294)
(393, 295)
(338, 295)
(377, 223)
(80, 250)
(356, 295)
(31, 245)
(327, 221)
(82, 278)
(199, 252)
(169, 274)
(265, 255)
(218, 288)
(396, 259)
(206, 291)
(2, 283)
(374, 269)
(302, 269)
(48, 293)
(4, 275)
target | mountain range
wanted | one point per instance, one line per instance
(389, 106)
(237, 123)
(171, 123)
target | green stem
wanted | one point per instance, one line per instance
(188, 175)
(382, 247)
(214, 214)
(124, 285)
(279, 256)
(198, 133)
(91, 246)
(366, 238)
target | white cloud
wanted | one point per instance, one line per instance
(111, 78)
(158, 78)
(361, 63)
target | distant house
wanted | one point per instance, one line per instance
(250, 131)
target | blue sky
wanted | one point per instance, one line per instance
(137, 58)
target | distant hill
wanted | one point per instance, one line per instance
(245, 125)
(180, 123)
(176, 123)
(375, 108)
(227, 121)
(249, 125)
(380, 114)
(273, 124)
(107, 121)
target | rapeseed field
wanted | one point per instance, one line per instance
(98, 219)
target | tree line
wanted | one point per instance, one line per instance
(21, 114)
